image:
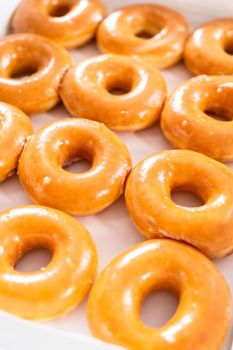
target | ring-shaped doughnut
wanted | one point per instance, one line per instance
(148, 197)
(31, 68)
(54, 146)
(201, 319)
(126, 32)
(209, 48)
(70, 23)
(15, 127)
(86, 91)
(57, 288)
(186, 119)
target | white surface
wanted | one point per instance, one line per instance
(112, 230)
(20, 334)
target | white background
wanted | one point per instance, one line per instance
(112, 230)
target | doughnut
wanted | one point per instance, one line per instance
(31, 68)
(70, 23)
(86, 91)
(156, 33)
(15, 127)
(209, 48)
(201, 319)
(57, 288)
(56, 145)
(186, 119)
(154, 213)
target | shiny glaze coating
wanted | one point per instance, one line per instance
(15, 127)
(185, 123)
(70, 23)
(148, 197)
(43, 60)
(58, 144)
(86, 91)
(201, 319)
(167, 30)
(206, 51)
(57, 288)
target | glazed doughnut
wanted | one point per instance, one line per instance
(186, 119)
(148, 197)
(115, 300)
(186, 124)
(86, 91)
(57, 288)
(70, 23)
(15, 127)
(209, 48)
(42, 64)
(156, 33)
(58, 144)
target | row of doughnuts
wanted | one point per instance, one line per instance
(115, 300)
(202, 318)
(86, 92)
(72, 23)
(24, 53)
(46, 153)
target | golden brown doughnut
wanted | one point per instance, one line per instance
(185, 123)
(15, 127)
(70, 23)
(203, 315)
(209, 48)
(148, 198)
(60, 286)
(58, 144)
(42, 64)
(86, 91)
(122, 33)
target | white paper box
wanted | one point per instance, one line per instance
(112, 230)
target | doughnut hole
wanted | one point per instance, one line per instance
(24, 71)
(76, 157)
(22, 61)
(78, 165)
(34, 260)
(186, 198)
(58, 10)
(156, 291)
(146, 34)
(156, 301)
(147, 26)
(33, 253)
(218, 116)
(220, 108)
(119, 80)
(229, 47)
(119, 87)
(21, 69)
(190, 189)
(189, 195)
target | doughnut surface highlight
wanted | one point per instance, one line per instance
(60, 286)
(86, 91)
(154, 213)
(156, 33)
(56, 145)
(201, 319)
(31, 68)
(70, 23)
